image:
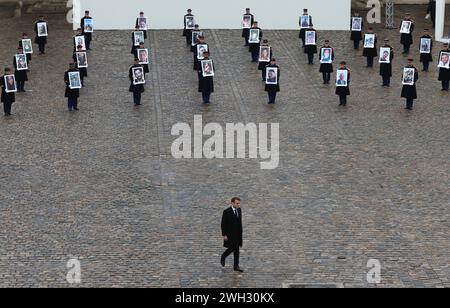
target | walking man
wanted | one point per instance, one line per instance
(232, 232)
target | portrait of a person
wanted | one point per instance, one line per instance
(326, 55)
(305, 21)
(271, 76)
(310, 38)
(385, 56)
(265, 55)
(82, 59)
(10, 83)
(143, 56)
(138, 74)
(444, 61)
(342, 80)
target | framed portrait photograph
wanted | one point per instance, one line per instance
(195, 35)
(143, 56)
(189, 22)
(142, 23)
(74, 80)
(201, 49)
(88, 25)
(444, 60)
(10, 84)
(304, 21)
(406, 27)
(326, 56)
(80, 40)
(408, 76)
(385, 55)
(247, 21)
(138, 75)
(82, 59)
(425, 45)
(207, 68)
(310, 38)
(42, 29)
(272, 75)
(254, 36)
(264, 53)
(369, 41)
(27, 45)
(21, 62)
(138, 37)
(357, 24)
(341, 78)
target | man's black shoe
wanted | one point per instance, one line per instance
(238, 269)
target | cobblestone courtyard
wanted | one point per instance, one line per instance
(368, 181)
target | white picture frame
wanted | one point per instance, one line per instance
(408, 76)
(207, 68)
(369, 40)
(195, 35)
(247, 21)
(27, 45)
(10, 84)
(405, 27)
(357, 24)
(326, 55)
(425, 45)
(264, 53)
(253, 37)
(385, 55)
(342, 78)
(82, 60)
(142, 23)
(272, 75)
(21, 62)
(189, 22)
(310, 38)
(305, 21)
(42, 29)
(143, 56)
(138, 75)
(138, 37)
(88, 25)
(201, 49)
(80, 40)
(74, 80)
(444, 60)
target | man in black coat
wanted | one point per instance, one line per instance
(263, 64)
(343, 92)
(311, 49)
(426, 57)
(444, 73)
(407, 38)
(326, 68)
(141, 15)
(205, 84)
(201, 41)
(136, 56)
(254, 47)
(371, 53)
(303, 28)
(40, 40)
(270, 88)
(432, 11)
(187, 32)
(25, 37)
(356, 36)
(386, 68)
(409, 91)
(7, 98)
(21, 75)
(87, 35)
(246, 31)
(136, 89)
(232, 232)
(71, 94)
(83, 70)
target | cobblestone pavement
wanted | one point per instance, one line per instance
(368, 181)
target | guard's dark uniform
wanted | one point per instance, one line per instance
(21, 77)
(407, 38)
(137, 89)
(187, 32)
(343, 92)
(303, 30)
(386, 68)
(7, 98)
(371, 53)
(254, 47)
(427, 58)
(71, 94)
(197, 64)
(410, 92)
(356, 36)
(311, 50)
(205, 84)
(40, 40)
(326, 68)
(444, 73)
(87, 35)
(273, 89)
(246, 32)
